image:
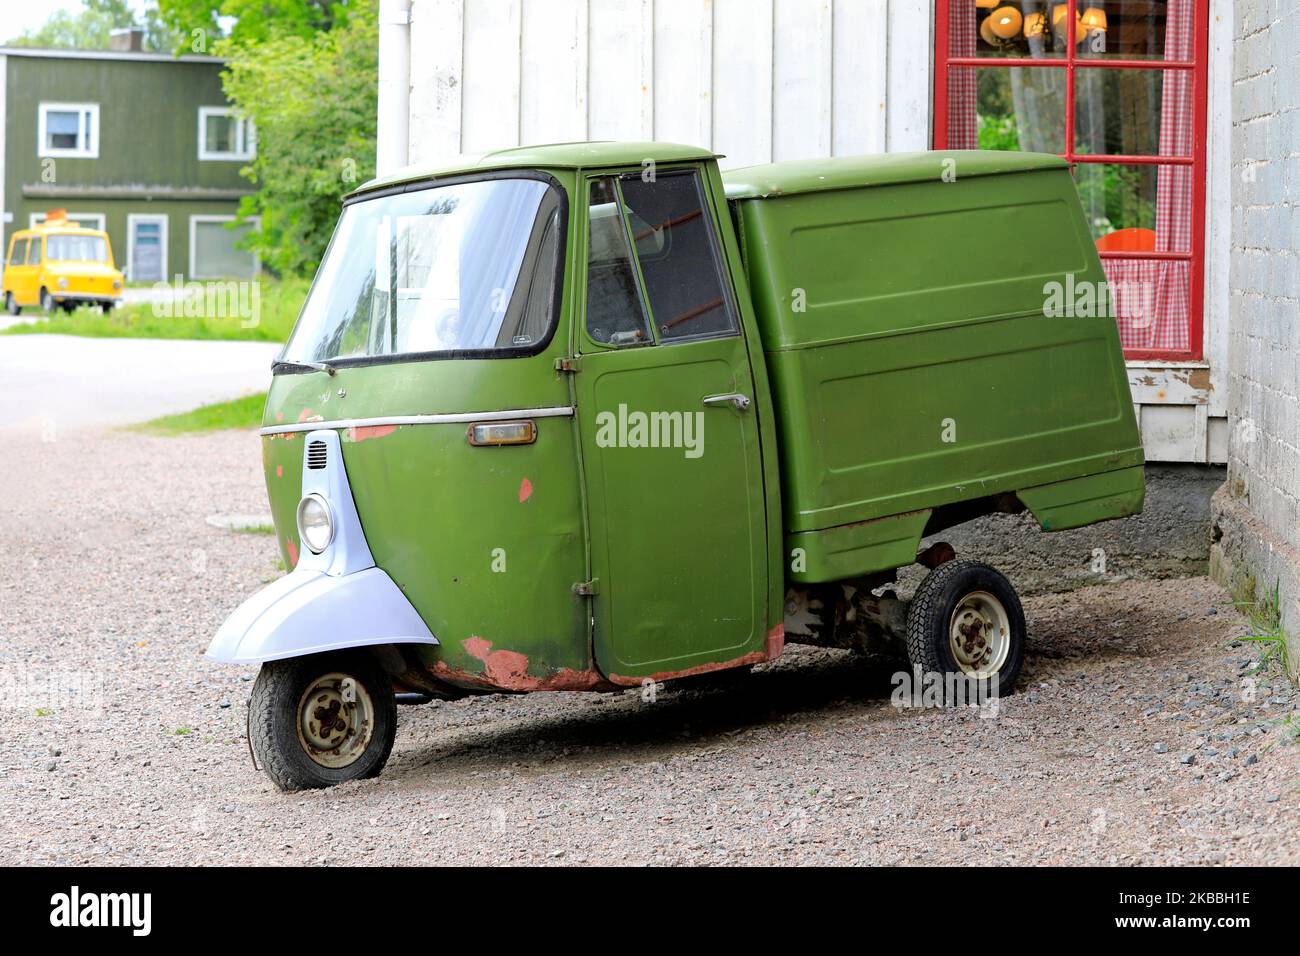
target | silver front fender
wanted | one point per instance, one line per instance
(309, 611)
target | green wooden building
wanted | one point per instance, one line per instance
(143, 145)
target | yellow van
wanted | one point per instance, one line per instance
(58, 264)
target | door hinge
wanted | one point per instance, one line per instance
(587, 588)
(568, 364)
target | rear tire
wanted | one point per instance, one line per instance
(966, 619)
(11, 304)
(47, 302)
(310, 729)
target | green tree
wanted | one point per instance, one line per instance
(313, 97)
(90, 28)
(254, 21)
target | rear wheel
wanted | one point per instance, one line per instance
(320, 720)
(11, 304)
(47, 302)
(966, 619)
(106, 307)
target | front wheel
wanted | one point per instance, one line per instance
(966, 619)
(11, 304)
(320, 720)
(47, 302)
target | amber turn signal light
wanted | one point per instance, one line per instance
(502, 433)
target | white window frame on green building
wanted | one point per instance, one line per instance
(194, 271)
(87, 130)
(245, 136)
(86, 220)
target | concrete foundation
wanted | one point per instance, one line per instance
(1170, 538)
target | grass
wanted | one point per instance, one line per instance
(278, 303)
(256, 529)
(1265, 618)
(243, 412)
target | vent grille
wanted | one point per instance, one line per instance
(316, 455)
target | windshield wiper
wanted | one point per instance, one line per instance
(312, 366)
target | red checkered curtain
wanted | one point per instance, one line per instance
(963, 91)
(1152, 298)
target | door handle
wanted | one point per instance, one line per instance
(737, 401)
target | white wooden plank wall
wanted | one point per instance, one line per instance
(758, 80)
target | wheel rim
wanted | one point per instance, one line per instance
(979, 634)
(47, 301)
(336, 720)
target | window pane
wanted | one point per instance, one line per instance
(1011, 109)
(18, 255)
(1137, 29)
(1133, 112)
(219, 134)
(684, 280)
(1145, 208)
(614, 312)
(61, 128)
(1150, 301)
(76, 248)
(215, 253)
(443, 269)
(1000, 29)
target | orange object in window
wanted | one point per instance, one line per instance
(1128, 240)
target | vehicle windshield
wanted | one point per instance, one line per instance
(462, 267)
(75, 248)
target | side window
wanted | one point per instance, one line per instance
(528, 314)
(18, 252)
(679, 258)
(615, 315)
(34, 251)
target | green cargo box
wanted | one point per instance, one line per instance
(921, 318)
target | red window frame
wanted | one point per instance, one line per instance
(1197, 66)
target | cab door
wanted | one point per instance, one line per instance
(31, 271)
(670, 444)
(17, 272)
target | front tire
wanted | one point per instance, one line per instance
(11, 304)
(322, 720)
(966, 619)
(47, 302)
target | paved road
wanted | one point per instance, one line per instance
(55, 383)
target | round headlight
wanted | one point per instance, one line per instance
(315, 523)
(63, 282)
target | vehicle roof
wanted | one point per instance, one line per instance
(549, 156)
(58, 228)
(883, 169)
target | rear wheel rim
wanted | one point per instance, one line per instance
(335, 720)
(979, 634)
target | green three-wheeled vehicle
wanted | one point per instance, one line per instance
(585, 416)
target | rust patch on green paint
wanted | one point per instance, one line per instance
(754, 657)
(507, 670)
(776, 641)
(366, 432)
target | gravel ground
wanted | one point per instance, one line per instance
(1131, 740)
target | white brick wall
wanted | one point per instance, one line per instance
(1256, 514)
(1264, 328)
